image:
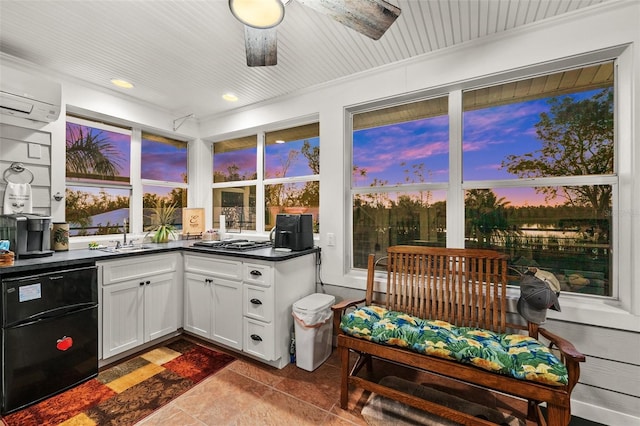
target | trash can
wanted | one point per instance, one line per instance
(313, 330)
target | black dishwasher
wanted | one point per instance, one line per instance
(49, 334)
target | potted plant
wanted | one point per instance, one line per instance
(161, 218)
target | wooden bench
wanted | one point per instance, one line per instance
(466, 288)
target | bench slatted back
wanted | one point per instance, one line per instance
(465, 287)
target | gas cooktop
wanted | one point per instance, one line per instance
(235, 245)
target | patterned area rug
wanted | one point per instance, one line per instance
(126, 393)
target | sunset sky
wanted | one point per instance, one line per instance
(489, 135)
(388, 154)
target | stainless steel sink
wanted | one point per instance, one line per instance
(127, 249)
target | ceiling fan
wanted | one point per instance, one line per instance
(261, 17)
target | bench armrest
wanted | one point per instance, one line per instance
(338, 311)
(570, 356)
(566, 347)
(342, 306)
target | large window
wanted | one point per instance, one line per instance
(164, 177)
(235, 163)
(536, 172)
(277, 169)
(100, 187)
(399, 177)
(98, 178)
(292, 172)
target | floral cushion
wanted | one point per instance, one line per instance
(515, 355)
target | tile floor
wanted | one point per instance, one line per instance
(250, 393)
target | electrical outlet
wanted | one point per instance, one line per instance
(331, 239)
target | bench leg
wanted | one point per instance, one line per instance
(532, 411)
(558, 415)
(344, 381)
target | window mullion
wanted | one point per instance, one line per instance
(135, 202)
(455, 194)
(260, 192)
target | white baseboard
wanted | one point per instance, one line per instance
(602, 415)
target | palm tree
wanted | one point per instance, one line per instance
(90, 153)
(485, 215)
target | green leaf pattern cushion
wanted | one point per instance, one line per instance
(513, 355)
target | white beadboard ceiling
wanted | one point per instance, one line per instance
(182, 55)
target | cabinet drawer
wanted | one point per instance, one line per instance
(214, 267)
(117, 271)
(259, 339)
(258, 274)
(258, 302)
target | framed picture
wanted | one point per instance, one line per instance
(192, 222)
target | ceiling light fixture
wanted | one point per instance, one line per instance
(280, 141)
(258, 13)
(121, 83)
(230, 97)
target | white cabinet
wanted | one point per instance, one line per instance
(139, 301)
(213, 299)
(245, 304)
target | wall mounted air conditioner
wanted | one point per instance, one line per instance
(27, 96)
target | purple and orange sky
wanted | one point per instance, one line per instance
(391, 153)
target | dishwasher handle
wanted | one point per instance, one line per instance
(52, 313)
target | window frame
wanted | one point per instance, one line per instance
(261, 182)
(101, 125)
(136, 183)
(456, 187)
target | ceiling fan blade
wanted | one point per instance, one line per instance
(369, 17)
(261, 46)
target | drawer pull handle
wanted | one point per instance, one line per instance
(256, 301)
(256, 273)
(256, 338)
(141, 283)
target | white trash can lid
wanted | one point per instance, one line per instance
(314, 303)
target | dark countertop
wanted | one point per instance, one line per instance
(73, 258)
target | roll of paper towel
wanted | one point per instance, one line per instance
(223, 227)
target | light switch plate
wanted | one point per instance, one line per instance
(35, 150)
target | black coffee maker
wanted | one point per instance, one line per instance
(28, 234)
(293, 231)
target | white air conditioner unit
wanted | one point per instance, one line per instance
(27, 96)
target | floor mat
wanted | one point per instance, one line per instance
(129, 391)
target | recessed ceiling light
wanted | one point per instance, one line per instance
(280, 141)
(121, 83)
(229, 97)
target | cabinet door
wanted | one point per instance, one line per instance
(160, 310)
(122, 317)
(227, 312)
(197, 304)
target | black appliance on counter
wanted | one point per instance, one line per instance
(28, 234)
(293, 231)
(49, 334)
